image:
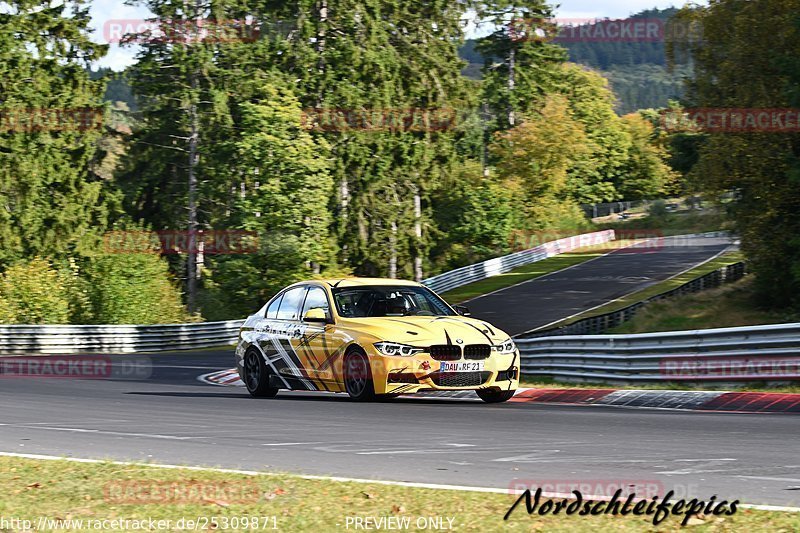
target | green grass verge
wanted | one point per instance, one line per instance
(730, 305)
(658, 288)
(68, 490)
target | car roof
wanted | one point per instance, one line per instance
(361, 282)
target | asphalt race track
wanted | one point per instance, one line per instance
(173, 418)
(544, 300)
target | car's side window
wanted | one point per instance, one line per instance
(272, 310)
(290, 304)
(316, 299)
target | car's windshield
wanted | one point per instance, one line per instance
(388, 300)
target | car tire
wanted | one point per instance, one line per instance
(358, 377)
(256, 375)
(495, 396)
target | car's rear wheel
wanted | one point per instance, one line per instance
(358, 377)
(256, 376)
(495, 396)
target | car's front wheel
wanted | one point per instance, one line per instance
(256, 376)
(495, 396)
(358, 377)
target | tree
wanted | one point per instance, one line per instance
(384, 57)
(133, 288)
(287, 173)
(533, 160)
(186, 113)
(520, 61)
(51, 116)
(749, 60)
(596, 175)
(33, 292)
(646, 174)
(475, 215)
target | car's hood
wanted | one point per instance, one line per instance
(427, 330)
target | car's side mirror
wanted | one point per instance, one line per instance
(316, 314)
(462, 310)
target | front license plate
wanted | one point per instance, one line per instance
(461, 366)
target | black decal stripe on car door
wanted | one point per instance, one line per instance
(275, 361)
(338, 380)
(307, 357)
(294, 358)
(291, 363)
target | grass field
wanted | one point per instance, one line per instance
(727, 306)
(62, 490)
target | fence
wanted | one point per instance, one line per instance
(751, 353)
(500, 265)
(610, 208)
(19, 339)
(606, 321)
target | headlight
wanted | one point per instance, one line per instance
(394, 348)
(506, 346)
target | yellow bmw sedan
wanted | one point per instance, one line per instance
(372, 338)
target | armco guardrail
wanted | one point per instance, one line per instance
(604, 322)
(20, 339)
(751, 353)
(500, 265)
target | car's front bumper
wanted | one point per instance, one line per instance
(393, 375)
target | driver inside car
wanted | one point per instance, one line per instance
(396, 305)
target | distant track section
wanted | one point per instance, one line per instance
(558, 295)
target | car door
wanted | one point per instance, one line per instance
(281, 335)
(322, 343)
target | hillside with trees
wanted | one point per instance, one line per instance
(638, 71)
(350, 142)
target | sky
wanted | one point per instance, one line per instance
(106, 14)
